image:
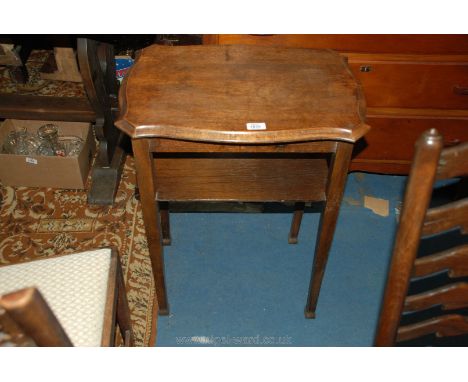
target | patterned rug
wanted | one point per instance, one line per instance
(41, 222)
(36, 85)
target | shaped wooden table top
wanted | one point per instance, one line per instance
(210, 93)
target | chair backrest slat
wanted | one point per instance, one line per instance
(454, 260)
(450, 165)
(453, 296)
(430, 162)
(444, 218)
(444, 326)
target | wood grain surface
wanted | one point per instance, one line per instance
(402, 77)
(431, 162)
(370, 43)
(249, 179)
(210, 93)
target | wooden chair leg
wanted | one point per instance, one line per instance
(296, 222)
(337, 180)
(165, 227)
(151, 218)
(123, 310)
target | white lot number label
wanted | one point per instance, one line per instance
(256, 126)
(31, 160)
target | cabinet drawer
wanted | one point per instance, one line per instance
(412, 82)
(389, 145)
(411, 44)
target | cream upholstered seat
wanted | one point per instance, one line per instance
(74, 286)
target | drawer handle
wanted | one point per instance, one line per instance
(365, 68)
(460, 90)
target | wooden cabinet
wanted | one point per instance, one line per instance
(410, 82)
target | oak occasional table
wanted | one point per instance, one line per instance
(241, 123)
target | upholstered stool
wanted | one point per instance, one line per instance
(85, 292)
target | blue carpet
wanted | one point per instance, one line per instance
(233, 280)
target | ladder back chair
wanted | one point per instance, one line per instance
(69, 300)
(431, 162)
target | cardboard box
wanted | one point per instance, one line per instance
(47, 171)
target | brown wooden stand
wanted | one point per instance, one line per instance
(188, 111)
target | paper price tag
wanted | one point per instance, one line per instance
(31, 160)
(256, 126)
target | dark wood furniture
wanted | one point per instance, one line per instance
(431, 163)
(15, 56)
(187, 110)
(97, 68)
(409, 82)
(27, 320)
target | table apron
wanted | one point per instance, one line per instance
(165, 145)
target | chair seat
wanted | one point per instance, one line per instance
(74, 286)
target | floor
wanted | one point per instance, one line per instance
(233, 280)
